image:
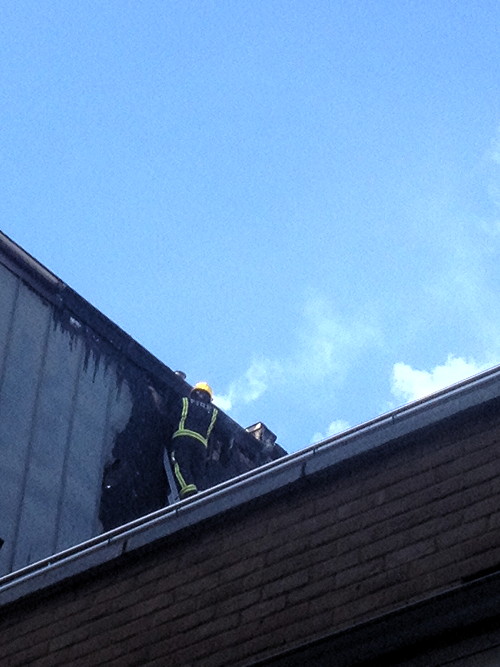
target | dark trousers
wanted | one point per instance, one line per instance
(190, 465)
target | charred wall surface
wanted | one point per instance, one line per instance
(71, 405)
(84, 418)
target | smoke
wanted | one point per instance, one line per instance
(329, 343)
(324, 347)
(251, 385)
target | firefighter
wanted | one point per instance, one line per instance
(197, 420)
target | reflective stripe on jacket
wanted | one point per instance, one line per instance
(197, 420)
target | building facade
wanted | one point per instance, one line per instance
(85, 416)
(379, 546)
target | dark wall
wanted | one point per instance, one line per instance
(84, 418)
(70, 403)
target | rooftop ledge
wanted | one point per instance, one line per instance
(251, 486)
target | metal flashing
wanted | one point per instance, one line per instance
(23, 263)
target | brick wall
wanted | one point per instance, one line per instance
(376, 533)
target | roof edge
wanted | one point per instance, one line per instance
(256, 484)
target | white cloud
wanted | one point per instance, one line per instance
(337, 426)
(409, 384)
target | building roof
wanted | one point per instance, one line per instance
(464, 401)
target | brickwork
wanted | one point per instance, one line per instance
(375, 533)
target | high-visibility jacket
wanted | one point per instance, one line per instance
(197, 420)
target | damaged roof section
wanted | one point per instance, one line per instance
(468, 402)
(84, 419)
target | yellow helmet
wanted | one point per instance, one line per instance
(203, 386)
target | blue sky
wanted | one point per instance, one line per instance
(298, 202)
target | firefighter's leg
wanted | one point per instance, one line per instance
(185, 455)
(185, 489)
